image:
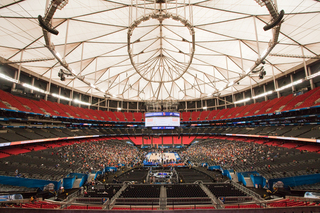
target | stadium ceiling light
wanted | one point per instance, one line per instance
(61, 97)
(3, 76)
(58, 55)
(289, 85)
(264, 53)
(93, 86)
(204, 107)
(81, 102)
(262, 95)
(313, 75)
(118, 108)
(230, 83)
(242, 101)
(35, 88)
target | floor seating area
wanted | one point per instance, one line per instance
(308, 99)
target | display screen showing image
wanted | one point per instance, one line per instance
(162, 119)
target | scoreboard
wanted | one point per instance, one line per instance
(162, 120)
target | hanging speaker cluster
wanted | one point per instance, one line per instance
(275, 22)
(45, 26)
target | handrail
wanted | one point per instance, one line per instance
(247, 191)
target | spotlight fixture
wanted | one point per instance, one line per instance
(262, 73)
(62, 74)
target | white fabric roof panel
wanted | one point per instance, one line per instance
(93, 35)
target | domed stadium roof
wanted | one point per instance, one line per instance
(159, 50)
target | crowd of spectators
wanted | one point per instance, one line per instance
(96, 155)
(228, 153)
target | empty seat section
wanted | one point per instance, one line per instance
(224, 190)
(213, 114)
(120, 116)
(44, 108)
(58, 111)
(12, 136)
(15, 104)
(245, 111)
(86, 114)
(103, 115)
(221, 114)
(78, 112)
(236, 111)
(281, 103)
(185, 116)
(188, 190)
(67, 110)
(96, 113)
(111, 115)
(230, 111)
(256, 108)
(203, 115)
(129, 116)
(195, 115)
(310, 101)
(138, 116)
(295, 102)
(34, 108)
(266, 105)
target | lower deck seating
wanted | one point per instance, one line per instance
(224, 190)
(185, 190)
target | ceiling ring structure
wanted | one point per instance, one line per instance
(160, 66)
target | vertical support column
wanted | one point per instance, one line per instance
(215, 103)
(32, 84)
(252, 92)
(186, 106)
(49, 85)
(291, 80)
(264, 91)
(306, 69)
(244, 97)
(17, 74)
(80, 99)
(275, 82)
(311, 80)
(59, 95)
(196, 105)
